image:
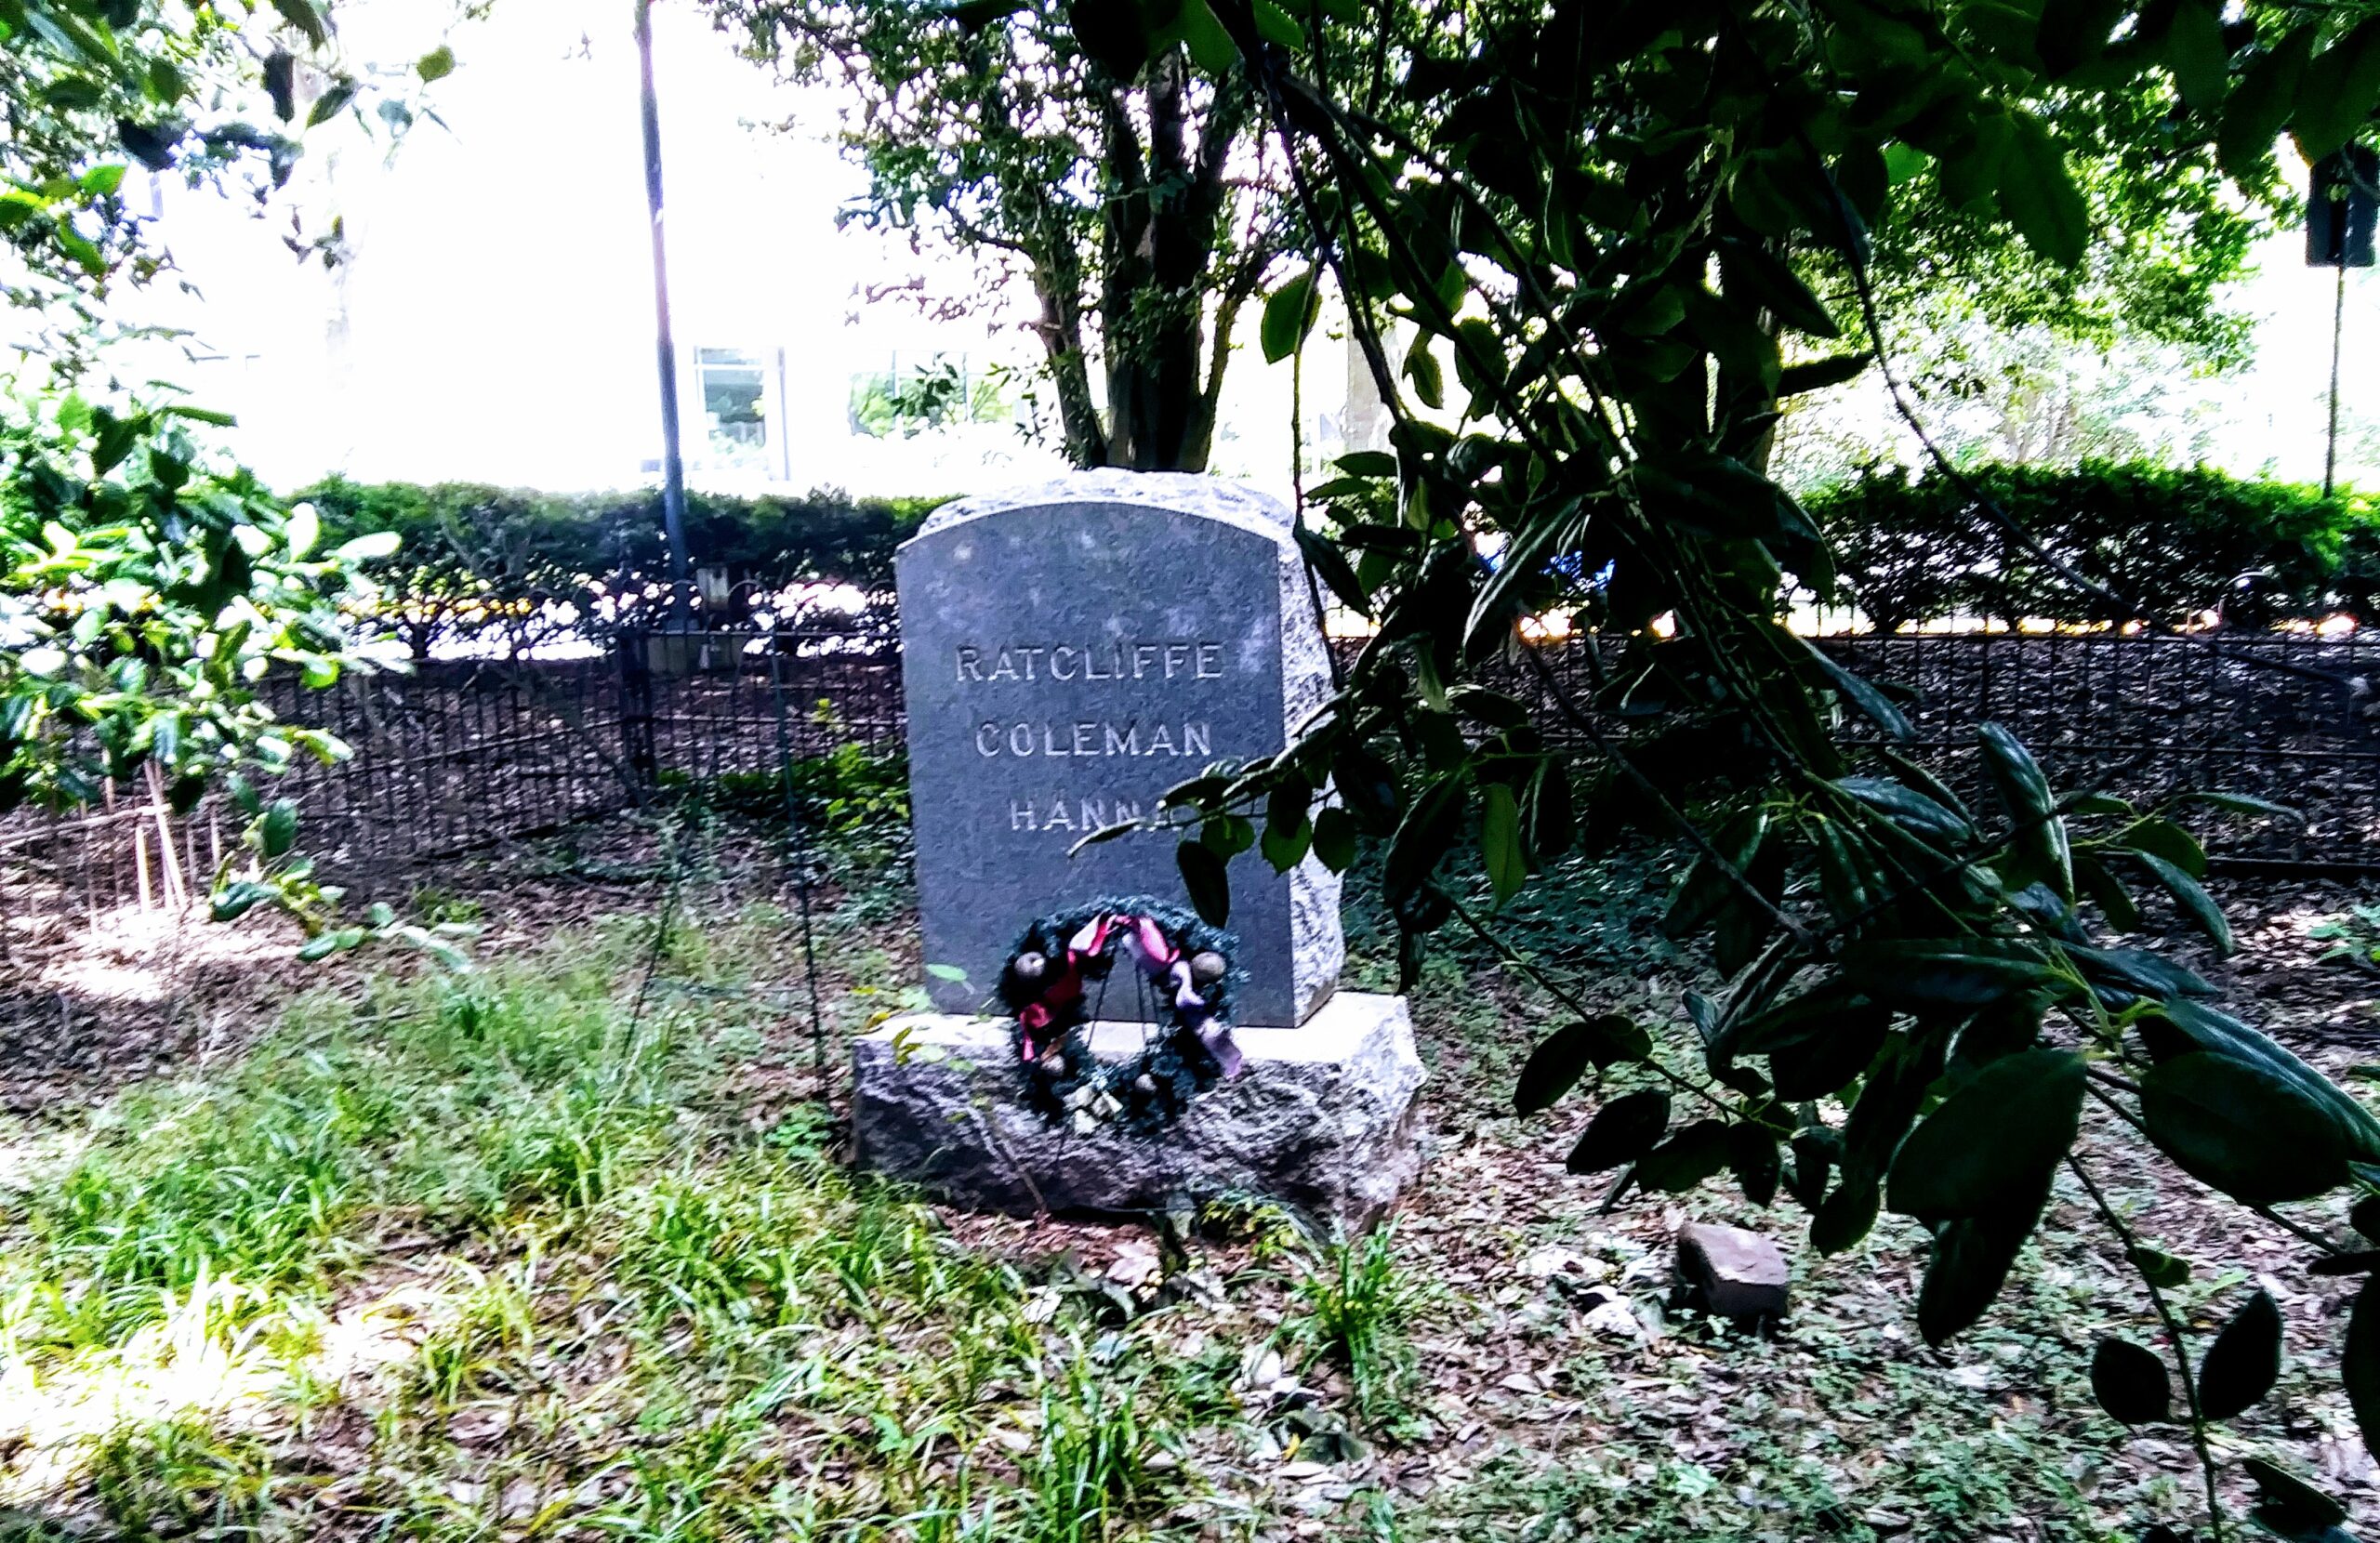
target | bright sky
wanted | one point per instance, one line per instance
(494, 321)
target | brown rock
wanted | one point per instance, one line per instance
(1731, 1272)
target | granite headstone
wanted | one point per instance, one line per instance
(1069, 652)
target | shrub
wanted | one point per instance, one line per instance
(506, 563)
(2177, 542)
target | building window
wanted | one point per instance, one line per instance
(909, 397)
(732, 386)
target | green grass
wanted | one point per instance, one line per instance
(500, 1255)
(1358, 1302)
(535, 1246)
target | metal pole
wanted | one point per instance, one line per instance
(673, 466)
(2338, 330)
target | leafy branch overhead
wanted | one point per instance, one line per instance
(214, 91)
(1588, 250)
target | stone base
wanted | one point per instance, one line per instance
(1320, 1120)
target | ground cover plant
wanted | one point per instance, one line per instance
(536, 1252)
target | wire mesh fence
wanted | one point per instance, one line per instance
(462, 755)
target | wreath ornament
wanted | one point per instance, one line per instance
(1176, 974)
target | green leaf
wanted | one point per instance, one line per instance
(2244, 1360)
(1500, 842)
(2104, 888)
(2359, 1365)
(1748, 269)
(1290, 313)
(1972, 1258)
(1421, 369)
(1334, 838)
(2289, 1506)
(1554, 1067)
(332, 102)
(2187, 1024)
(437, 64)
(2131, 1383)
(1331, 566)
(2038, 194)
(1992, 1143)
(2235, 1125)
(2039, 840)
(2338, 92)
(1622, 1132)
(306, 18)
(2260, 104)
(1275, 26)
(2158, 1268)
(2195, 903)
(2241, 803)
(1687, 1158)
(1711, 881)
(946, 973)
(1846, 1217)
(2166, 839)
(1204, 36)
(1203, 876)
(2195, 52)
(1874, 704)
(278, 830)
(1423, 837)
(1922, 974)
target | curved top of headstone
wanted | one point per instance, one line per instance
(1176, 492)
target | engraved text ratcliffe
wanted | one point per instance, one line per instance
(1056, 740)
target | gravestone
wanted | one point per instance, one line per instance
(1069, 652)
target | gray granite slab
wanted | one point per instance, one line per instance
(1070, 651)
(1322, 1119)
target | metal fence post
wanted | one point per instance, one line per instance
(637, 750)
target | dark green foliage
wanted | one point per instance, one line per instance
(1910, 550)
(143, 589)
(1991, 1144)
(478, 560)
(2131, 1384)
(1576, 258)
(2244, 1360)
(1622, 1131)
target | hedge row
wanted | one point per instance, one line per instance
(523, 566)
(2175, 543)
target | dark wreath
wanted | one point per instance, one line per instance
(1176, 975)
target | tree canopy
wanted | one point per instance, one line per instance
(1132, 192)
(1605, 217)
(146, 586)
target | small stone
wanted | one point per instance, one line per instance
(1730, 1272)
(1207, 967)
(1054, 1067)
(1080, 1097)
(1145, 1083)
(1028, 966)
(1106, 1106)
(1084, 1124)
(1610, 1316)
